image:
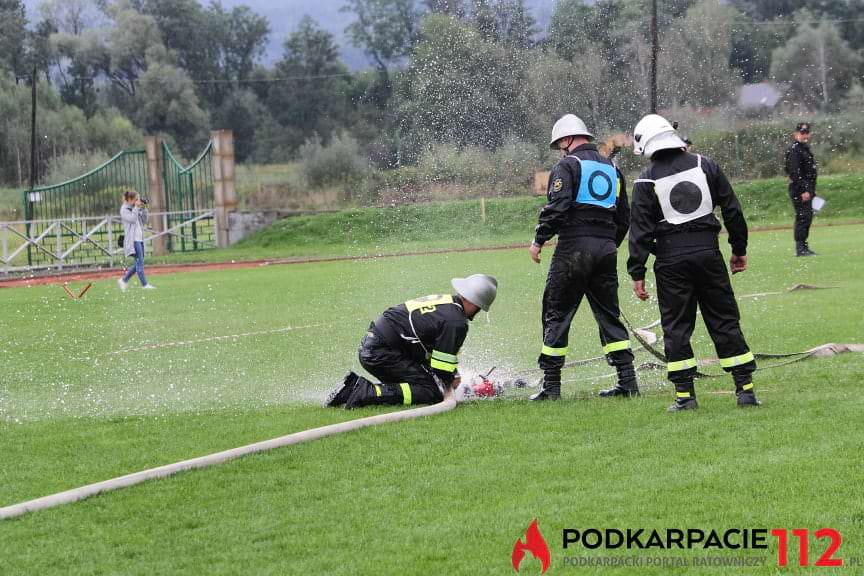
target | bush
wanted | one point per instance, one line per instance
(503, 172)
(757, 149)
(337, 162)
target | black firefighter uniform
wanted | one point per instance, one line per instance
(672, 216)
(413, 349)
(587, 208)
(801, 168)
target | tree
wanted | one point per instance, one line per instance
(13, 37)
(515, 24)
(818, 64)
(166, 102)
(455, 8)
(71, 16)
(696, 70)
(465, 89)
(384, 29)
(144, 81)
(752, 45)
(308, 94)
(771, 9)
(483, 16)
(610, 40)
(242, 112)
(217, 47)
(585, 92)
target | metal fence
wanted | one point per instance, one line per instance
(187, 190)
(90, 241)
(94, 194)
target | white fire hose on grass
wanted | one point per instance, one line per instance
(83, 492)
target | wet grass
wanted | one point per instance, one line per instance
(444, 495)
(420, 227)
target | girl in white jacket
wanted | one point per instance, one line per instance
(133, 214)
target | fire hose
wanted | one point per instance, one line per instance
(76, 494)
(648, 341)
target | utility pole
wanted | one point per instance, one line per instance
(33, 130)
(655, 49)
(28, 197)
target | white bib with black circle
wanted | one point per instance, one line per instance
(684, 196)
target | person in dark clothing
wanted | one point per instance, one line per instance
(801, 168)
(587, 208)
(412, 347)
(672, 217)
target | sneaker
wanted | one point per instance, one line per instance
(148, 287)
(123, 285)
(689, 404)
(747, 399)
(340, 395)
(619, 392)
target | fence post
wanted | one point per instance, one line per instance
(110, 226)
(224, 191)
(4, 231)
(157, 191)
(58, 235)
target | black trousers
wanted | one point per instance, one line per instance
(803, 217)
(700, 279)
(404, 380)
(583, 267)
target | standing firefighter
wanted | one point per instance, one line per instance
(587, 208)
(412, 348)
(673, 218)
(801, 168)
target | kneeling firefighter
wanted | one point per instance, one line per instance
(672, 216)
(587, 208)
(412, 348)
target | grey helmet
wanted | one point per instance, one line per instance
(479, 289)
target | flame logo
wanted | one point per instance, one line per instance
(534, 543)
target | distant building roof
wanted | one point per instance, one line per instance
(765, 94)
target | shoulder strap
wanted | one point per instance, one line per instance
(698, 160)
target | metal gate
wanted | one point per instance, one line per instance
(94, 194)
(76, 222)
(188, 192)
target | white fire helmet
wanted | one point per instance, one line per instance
(479, 289)
(654, 133)
(569, 125)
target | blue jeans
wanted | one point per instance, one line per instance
(138, 266)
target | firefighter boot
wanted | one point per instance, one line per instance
(685, 397)
(801, 249)
(744, 393)
(339, 395)
(551, 389)
(366, 393)
(627, 387)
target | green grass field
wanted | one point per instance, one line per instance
(421, 227)
(113, 384)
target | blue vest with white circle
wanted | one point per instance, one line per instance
(598, 185)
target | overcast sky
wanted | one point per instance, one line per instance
(284, 15)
